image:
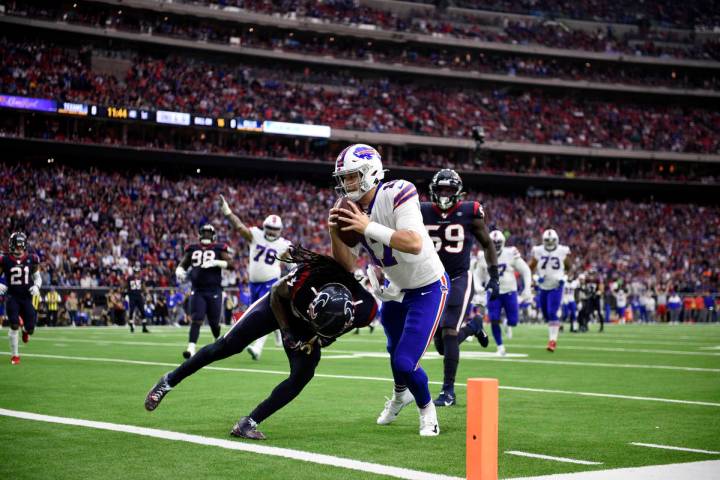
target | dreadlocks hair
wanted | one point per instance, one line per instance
(322, 267)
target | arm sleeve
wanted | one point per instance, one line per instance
(524, 270)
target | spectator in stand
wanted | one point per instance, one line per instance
(71, 305)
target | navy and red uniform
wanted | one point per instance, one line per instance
(136, 299)
(259, 320)
(18, 273)
(206, 296)
(452, 233)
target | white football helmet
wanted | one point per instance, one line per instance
(550, 239)
(272, 226)
(363, 160)
(498, 240)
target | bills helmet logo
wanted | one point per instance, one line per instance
(365, 152)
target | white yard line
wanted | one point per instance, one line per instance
(242, 446)
(588, 348)
(668, 447)
(548, 457)
(707, 470)
(466, 355)
(374, 379)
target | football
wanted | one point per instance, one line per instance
(350, 237)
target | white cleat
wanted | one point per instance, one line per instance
(429, 426)
(253, 354)
(394, 405)
(501, 351)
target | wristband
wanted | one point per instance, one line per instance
(224, 263)
(379, 233)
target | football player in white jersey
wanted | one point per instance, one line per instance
(509, 261)
(412, 281)
(552, 261)
(266, 248)
(569, 305)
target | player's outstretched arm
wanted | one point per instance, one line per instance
(567, 264)
(234, 220)
(481, 233)
(278, 292)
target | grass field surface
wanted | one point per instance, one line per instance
(606, 400)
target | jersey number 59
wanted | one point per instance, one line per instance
(454, 233)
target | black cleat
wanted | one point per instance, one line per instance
(479, 333)
(247, 428)
(445, 399)
(157, 393)
(187, 354)
(145, 329)
(132, 328)
(252, 353)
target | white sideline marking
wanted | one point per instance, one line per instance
(427, 356)
(619, 349)
(707, 470)
(374, 379)
(466, 355)
(668, 447)
(548, 457)
(318, 458)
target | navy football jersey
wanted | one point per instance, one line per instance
(205, 278)
(134, 285)
(18, 272)
(451, 231)
(302, 284)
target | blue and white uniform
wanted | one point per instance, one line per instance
(410, 321)
(551, 271)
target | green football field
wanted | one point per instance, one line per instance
(589, 402)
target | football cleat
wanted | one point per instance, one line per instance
(189, 351)
(157, 393)
(145, 329)
(253, 354)
(14, 360)
(132, 328)
(25, 336)
(479, 332)
(551, 346)
(247, 428)
(428, 421)
(393, 407)
(445, 399)
(501, 351)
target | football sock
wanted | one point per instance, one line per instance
(496, 332)
(439, 345)
(508, 331)
(215, 329)
(13, 336)
(553, 331)
(450, 362)
(399, 389)
(194, 332)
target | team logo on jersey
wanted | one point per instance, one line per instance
(366, 153)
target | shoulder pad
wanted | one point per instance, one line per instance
(478, 211)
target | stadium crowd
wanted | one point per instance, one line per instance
(503, 30)
(199, 86)
(90, 225)
(272, 147)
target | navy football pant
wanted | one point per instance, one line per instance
(256, 322)
(205, 303)
(21, 307)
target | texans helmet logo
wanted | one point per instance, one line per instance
(349, 313)
(366, 153)
(320, 300)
